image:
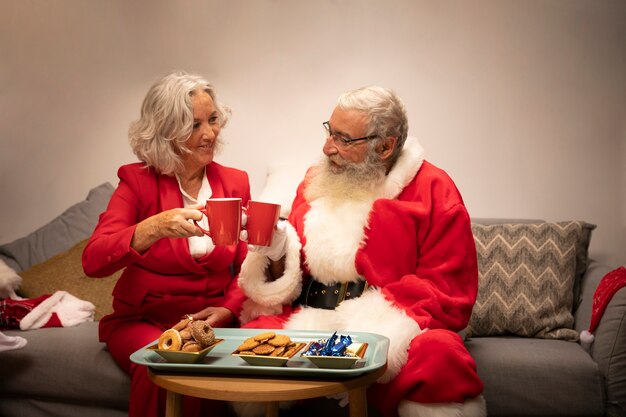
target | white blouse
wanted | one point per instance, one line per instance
(199, 245)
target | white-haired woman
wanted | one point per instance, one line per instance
(171, 268)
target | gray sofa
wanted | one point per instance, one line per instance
(527, 376)
(67, 372)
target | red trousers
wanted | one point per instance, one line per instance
(439, 370)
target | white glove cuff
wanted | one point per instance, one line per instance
(278, 248)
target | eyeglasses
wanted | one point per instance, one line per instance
(342, 140)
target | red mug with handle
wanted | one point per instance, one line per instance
(261, 221)
(224, 216)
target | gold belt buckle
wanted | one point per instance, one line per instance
(343, 289)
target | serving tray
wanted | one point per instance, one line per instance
(221, 361)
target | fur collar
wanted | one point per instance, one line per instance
(404, 170)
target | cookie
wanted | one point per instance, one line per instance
(278, 351)
(248, 344)
(279, 340)
(290, 351)
(264, 336)
(263, 349)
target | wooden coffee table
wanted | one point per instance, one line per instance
(270, 390)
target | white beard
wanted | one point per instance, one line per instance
(340, 201)
(349, 181)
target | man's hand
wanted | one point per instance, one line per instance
(278, 248)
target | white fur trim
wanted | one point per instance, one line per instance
(474, 407)
(41, 313)
(268, 297)
(70, 310)
(73, 311)
(586, 339)
(309, 318)
(405, 168)
(334, 231)
(11, 342)
(9, 281)
(372, 313)
(248, 409)
(256, 409)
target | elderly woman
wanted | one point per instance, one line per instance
(171, 268)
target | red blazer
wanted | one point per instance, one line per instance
(166, 268)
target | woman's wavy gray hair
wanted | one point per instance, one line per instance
(158, 137)
(385, 111)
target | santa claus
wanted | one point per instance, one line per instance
(378, 240)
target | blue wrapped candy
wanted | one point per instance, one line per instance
(334, 346)
(314, 349)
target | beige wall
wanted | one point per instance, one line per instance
(522, 102)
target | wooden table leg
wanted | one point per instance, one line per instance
(271, 409)
(358, 402)
(173, 404)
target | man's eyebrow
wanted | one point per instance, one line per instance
(339, 132)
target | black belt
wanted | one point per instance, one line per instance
(328, 297)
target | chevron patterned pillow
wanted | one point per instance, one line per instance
(527, 273)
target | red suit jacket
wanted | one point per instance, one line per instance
(166, 271)
(412, 242)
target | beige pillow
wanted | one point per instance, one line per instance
(526, 279)
(64, 272)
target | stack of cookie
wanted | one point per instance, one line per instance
(268, 344)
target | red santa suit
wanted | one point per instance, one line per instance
(411, 241)
(165, 282)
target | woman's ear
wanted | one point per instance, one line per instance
(386, 147)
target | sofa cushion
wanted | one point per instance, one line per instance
(527, 274)
(582, 250)
(537, 377)
(64, 272)
(34, 407)
(73, 225)
(64, 364)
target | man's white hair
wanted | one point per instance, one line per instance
(385, 112)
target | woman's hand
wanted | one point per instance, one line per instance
(171, 223)
(216, 316)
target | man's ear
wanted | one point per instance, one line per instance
(386, 146)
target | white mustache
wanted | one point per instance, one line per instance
(337, 160)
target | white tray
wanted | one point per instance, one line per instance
(221, 361)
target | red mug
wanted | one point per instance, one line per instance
(224, 216)
(262, 219)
